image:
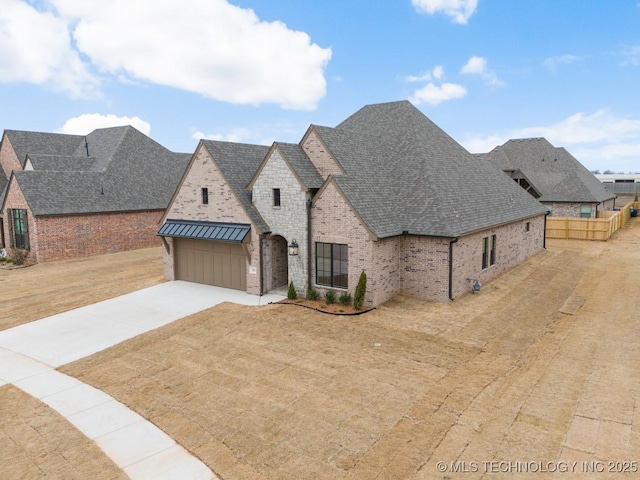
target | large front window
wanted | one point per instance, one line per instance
(19, 228)
(332, 265)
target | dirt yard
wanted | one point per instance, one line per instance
(37, 291)
(537, 373)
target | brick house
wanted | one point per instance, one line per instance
(386, 192)
(64, 196)
(553, 176)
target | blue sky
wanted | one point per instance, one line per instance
(256, 71)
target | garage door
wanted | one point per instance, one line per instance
(214, 263)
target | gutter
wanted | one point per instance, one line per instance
(309, 244)
(544, 236)
(455, 240)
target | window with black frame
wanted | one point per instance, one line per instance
(20, 228)
(332, 265)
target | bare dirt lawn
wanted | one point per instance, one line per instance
(539, 371)
(37, 291)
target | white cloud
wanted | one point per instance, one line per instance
(36, 48)
(212, 48)
(598, 140)
(632, 55)
(437, 73)
(552, 63)
(88, 122)
(436, 94)
(458, 10)
(478, 66)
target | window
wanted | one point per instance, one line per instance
(19, 228)
(585, 211)
(527, 226)
(205, 196)
(492, 255)
(488, 251)
(332, 265)
(276, 197)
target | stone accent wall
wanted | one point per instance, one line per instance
(289, 220)
(223, 206)
(320, 156)
(514, 244)
(8, 159)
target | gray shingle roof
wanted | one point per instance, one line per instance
(238, 162)
(126, 171)
(404, 173)
(301, 164)
(554, 172)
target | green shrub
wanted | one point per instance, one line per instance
(291, 293)
(330, 297)
(312, 294)
(345, 298)
(19, 256)
(361, 290)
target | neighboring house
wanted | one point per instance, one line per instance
(553, 176)
(386, 192)
(64, 196)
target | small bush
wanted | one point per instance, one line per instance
(19, 256)
(291, 293)
(345, 298)
(312, 294)
(330, 297)
(361, 290)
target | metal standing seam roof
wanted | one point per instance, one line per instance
(227, 232)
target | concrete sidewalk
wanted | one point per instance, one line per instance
(30, 353)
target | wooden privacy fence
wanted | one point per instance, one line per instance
(600, 228)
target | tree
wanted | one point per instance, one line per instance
(361, 290)
(291, 293)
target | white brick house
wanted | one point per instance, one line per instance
(386, 192)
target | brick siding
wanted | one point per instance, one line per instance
(63, 237)
(8, 159)
(417, 265)
(334, 221)
(320, 156)
(223, 206)
(513, 245)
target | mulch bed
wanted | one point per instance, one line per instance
(324, 307)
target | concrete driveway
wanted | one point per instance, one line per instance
(30, 353)
(72, 335)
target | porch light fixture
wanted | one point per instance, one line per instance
(293, 247)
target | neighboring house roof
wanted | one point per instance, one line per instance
(405, 174)
(238, 162)
(124, 171)
(553, 171)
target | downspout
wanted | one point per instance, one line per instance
(455, 240)
(309, 243)
(544, 237)
(260, 253)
